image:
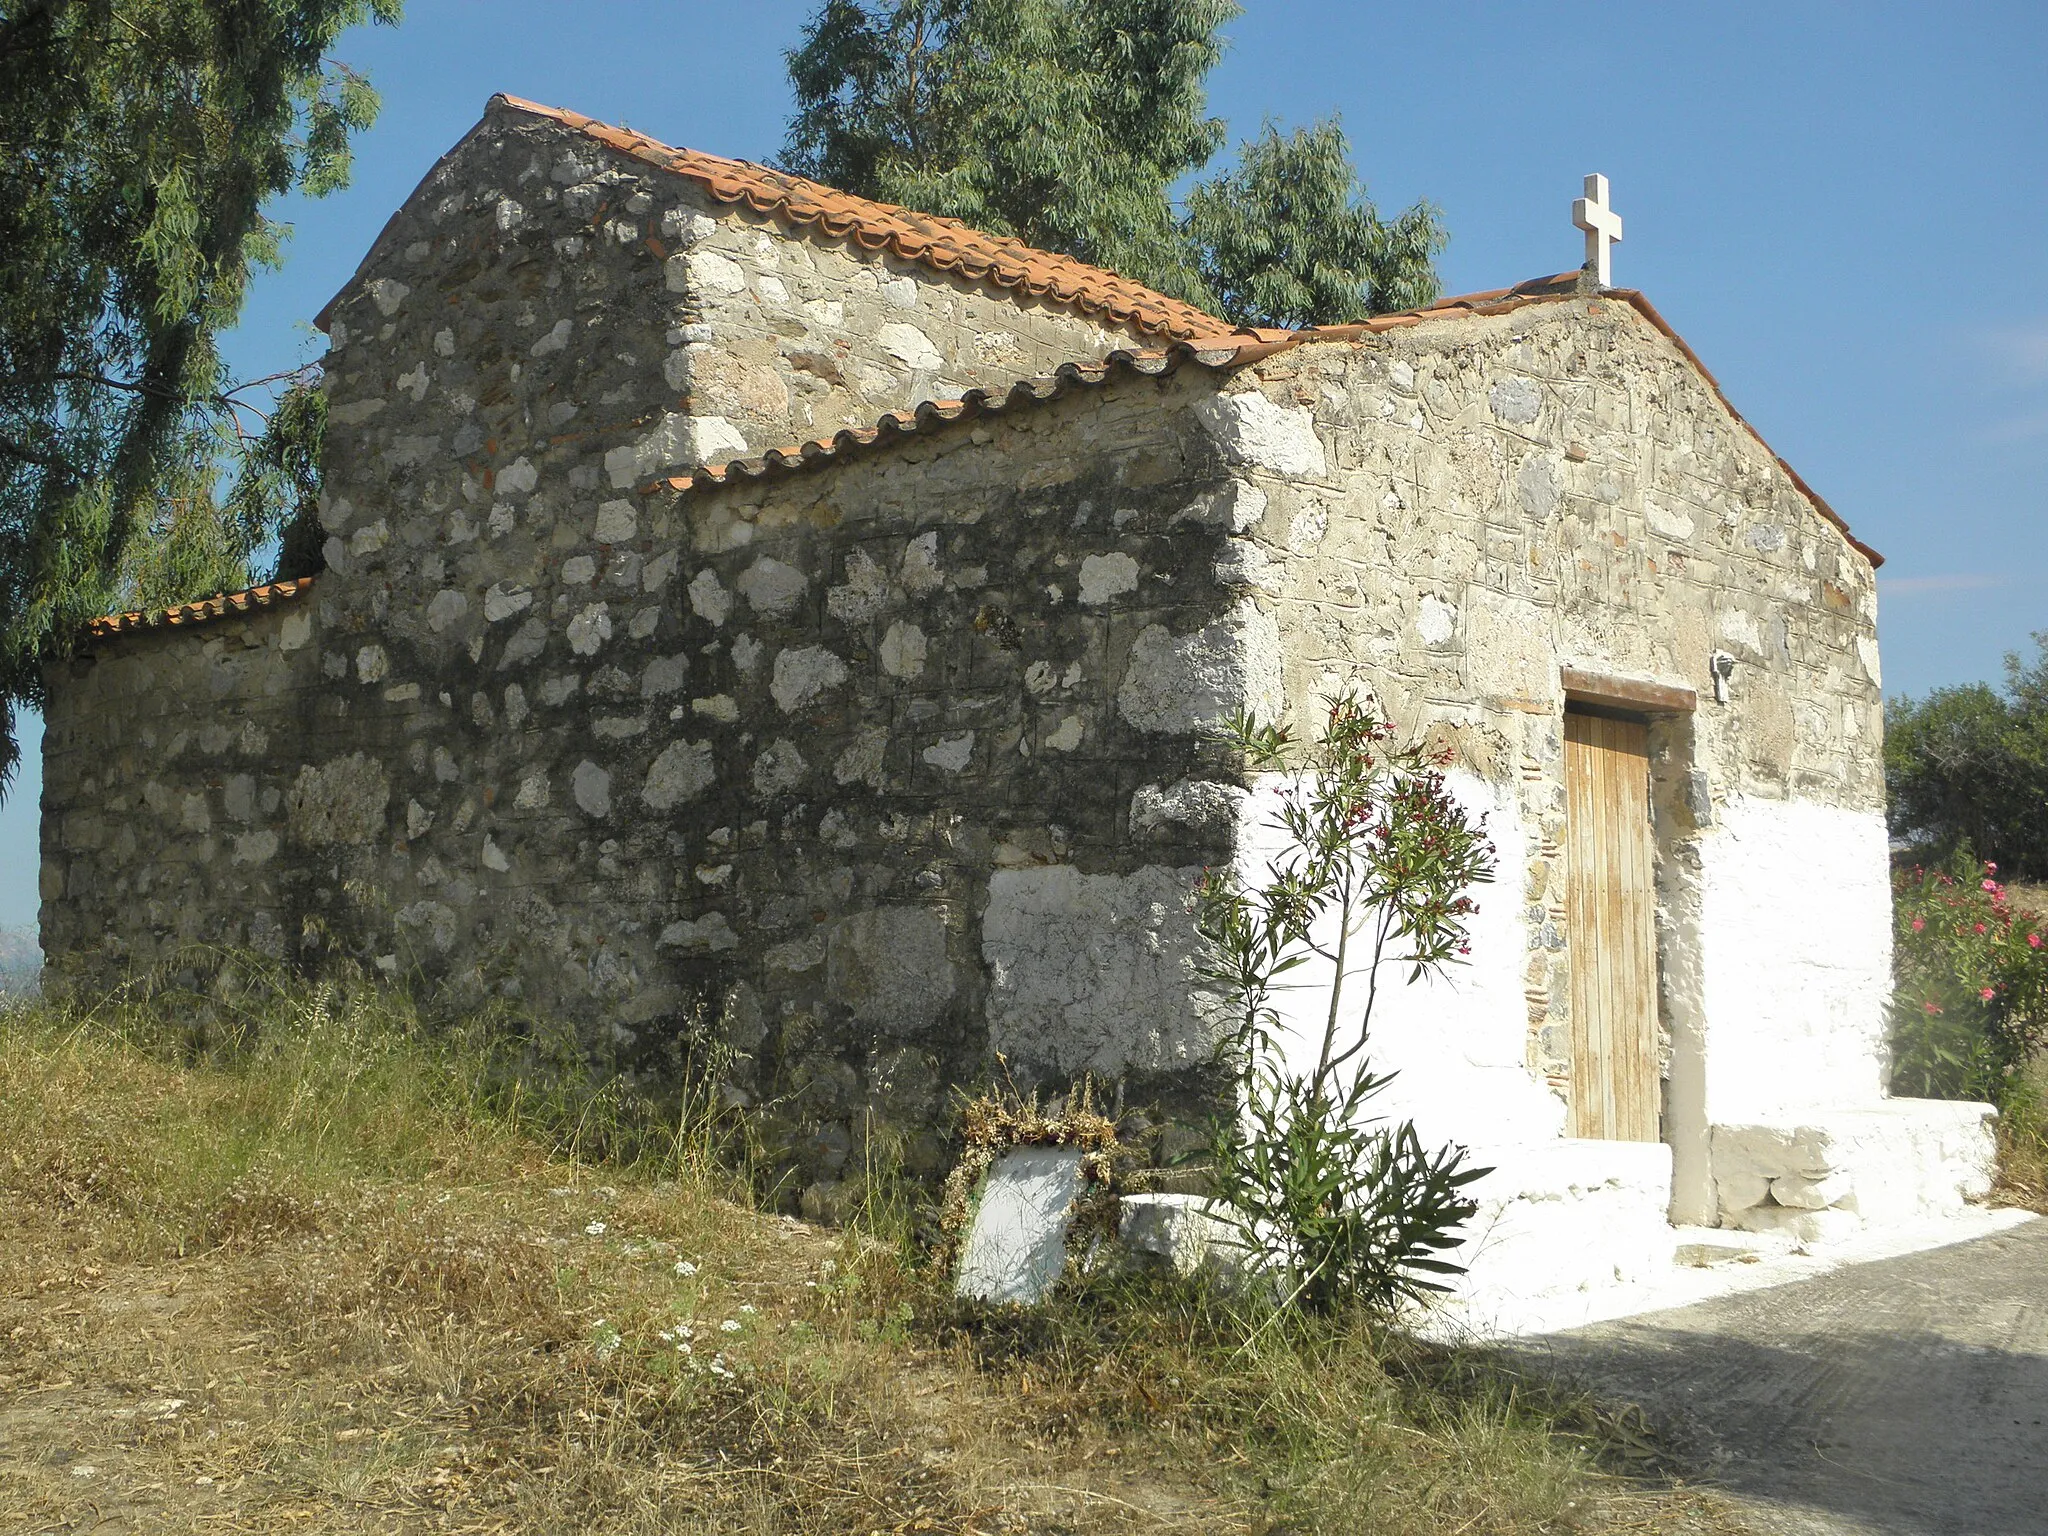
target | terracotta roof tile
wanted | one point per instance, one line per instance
(185, 615)
(945, 245)
(1222, 353)
(894, 426)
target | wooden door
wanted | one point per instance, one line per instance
(1612, 928)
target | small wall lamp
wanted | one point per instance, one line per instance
(1722, 666)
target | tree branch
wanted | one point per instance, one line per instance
(227, 402)
(34, 14)
(28, 455)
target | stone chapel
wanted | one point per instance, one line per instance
(753, 609)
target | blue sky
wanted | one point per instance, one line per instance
(1843, 207)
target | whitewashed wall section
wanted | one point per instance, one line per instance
(1796, 951)
(1458, 1041)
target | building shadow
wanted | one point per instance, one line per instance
(1904, 1396)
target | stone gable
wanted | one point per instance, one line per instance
(598, 293)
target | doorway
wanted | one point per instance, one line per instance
(1611, 926)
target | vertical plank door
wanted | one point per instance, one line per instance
(1611, 929)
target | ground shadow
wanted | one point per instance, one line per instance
(1906, 1396)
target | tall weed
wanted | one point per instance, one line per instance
(268, 1091)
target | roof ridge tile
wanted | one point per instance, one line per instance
(200, 610)
(1221, 353)
(932, 240)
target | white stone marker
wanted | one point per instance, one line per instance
(1602, 226)
(1016, 1249)
(1185, 1231)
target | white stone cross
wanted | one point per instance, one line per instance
(1602, 226)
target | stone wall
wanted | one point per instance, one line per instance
(791, 339)
(178, 809)
(1453, 513)
(622, 304)
(887, 772)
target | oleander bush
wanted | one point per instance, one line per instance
(1338, 1206)
(1970, 984)
(1970, 1006)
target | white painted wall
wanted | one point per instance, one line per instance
(1796, 958)
(1459, 1041)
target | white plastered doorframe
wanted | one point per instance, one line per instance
(1679, 809)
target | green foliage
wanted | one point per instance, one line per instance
(1066, 123)
(1061, 122)
(349, 1077)
(1288, 237)
(1337, 1205)
(1970, 986)
(139, 143)
(1968, 767)
(279, 487)
(195, 540)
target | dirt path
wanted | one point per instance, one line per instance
(1907, 1397)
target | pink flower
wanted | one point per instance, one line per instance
(1980, 928)
(1990, 869)
(1991, 886)
(2033, 941)
(1987, 994)
(1931, 1006)
(1919, 923)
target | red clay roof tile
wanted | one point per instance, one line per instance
(1223, 353)
(205, 610)
(945, 245)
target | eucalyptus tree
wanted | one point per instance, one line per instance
(1069, 124)
(140, 142)
(1288, 237)
(1061, 122)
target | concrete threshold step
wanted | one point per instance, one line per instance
(1703, 1247)
(1753, 1262)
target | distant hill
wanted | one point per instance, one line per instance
(21, 960)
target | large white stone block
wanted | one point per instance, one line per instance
(1250, 429)
(890, 966)
(1180, 684)
(1179, 1229)
(1094, 973)
(1802, 1193)
(1016, 1247)
(1899, 1160)
(1563, 1216)
(1810, 1227)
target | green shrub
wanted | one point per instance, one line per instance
(1967, 767)
(1335, 1205)
(1970, 987)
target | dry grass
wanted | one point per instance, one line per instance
(2023, 1144)
(344, 1278)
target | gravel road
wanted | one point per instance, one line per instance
(1905, 1397)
